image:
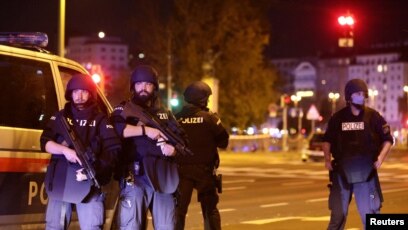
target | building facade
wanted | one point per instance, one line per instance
(386, 75)
(109, 54)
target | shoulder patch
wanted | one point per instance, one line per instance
(386, 128)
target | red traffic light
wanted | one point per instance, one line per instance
(96, 78)
(346, 20)
(287, 100)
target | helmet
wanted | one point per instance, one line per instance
(353, 86)
(80, 81)
(197, 93)
(144, 73)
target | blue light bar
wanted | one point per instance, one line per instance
(31, 39)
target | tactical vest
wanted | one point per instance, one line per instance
(356, 137)
(160, 171)
(357, 146)
(60, 179)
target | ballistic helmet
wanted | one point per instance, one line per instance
(80, 81)
(354, 86)
(197, 93)
(144, 73)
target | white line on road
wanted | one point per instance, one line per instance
(238, 181)
(316, 218)
(301, 218)
(267, 221)
(227, 210)
(234, 188)
(395, 166)
(297, 183)
(395, 190)
(274, 205)
(223, 210)
(317, 200)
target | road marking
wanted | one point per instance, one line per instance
(316, 218)
(395, 166)
(278, 219)
(222, 210)
(395, 190)
(274, 205)
(318, 174)
(267, 221)
(227, 210)
(297, 183)
(401, 176)
(317, 200)
(321, 172)
(275, 173)
(238, 181)
(234, 188)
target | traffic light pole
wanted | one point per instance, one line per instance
(284, 123)
(285, 128)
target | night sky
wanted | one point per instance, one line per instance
(299, 27)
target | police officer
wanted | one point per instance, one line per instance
(205, 133)
(358, 138)
(66, 184)
(148, 173)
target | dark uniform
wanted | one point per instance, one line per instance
(355, 144)
(205, 133)
(148, 179)
(64, 191)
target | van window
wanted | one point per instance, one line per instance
(27, 93)
(66, 75)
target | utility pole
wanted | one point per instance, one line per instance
(61, 29)
(169, 71)
(284, 99)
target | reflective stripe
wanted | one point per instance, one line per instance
(23, 164)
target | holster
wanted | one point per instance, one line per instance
(218, 182)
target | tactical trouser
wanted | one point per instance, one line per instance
(135, 201)
(201, 178)
(90, 214)
(367, 196)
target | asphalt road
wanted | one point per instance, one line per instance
(278, 191)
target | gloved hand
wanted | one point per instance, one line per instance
(167, 149)
(81, 175)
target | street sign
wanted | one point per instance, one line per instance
(312, 113)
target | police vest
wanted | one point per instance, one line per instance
(355, 136)
(357, 146)
(60, 179)
(160, 171)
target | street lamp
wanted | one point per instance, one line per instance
(333, 98)
(372, 93)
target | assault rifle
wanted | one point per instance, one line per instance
(167, 128)
(85, 155)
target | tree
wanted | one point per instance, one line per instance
(233, 32)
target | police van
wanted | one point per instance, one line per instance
(32, 84)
